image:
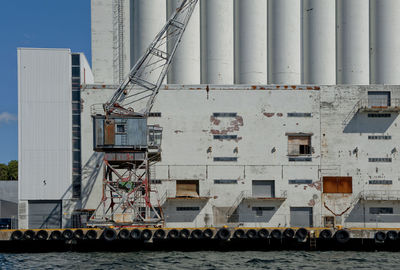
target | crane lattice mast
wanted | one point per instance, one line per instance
(130, 146)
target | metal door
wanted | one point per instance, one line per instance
(301, 217)
(44, 214)
(263, 188)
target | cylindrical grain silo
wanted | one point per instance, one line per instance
(251, 42)
(147, 20)
(284, 44)
(385, 41)
(185, 67)
(319, 40)
(217, 36)
(352, 42)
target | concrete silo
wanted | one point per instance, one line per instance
(251, 42)
(284, 42)
(352, 42)
(217, 34)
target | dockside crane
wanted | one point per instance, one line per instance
(121, 132)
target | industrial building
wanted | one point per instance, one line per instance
(274, 113)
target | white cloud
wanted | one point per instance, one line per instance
(6, 117)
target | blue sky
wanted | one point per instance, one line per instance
(34, 23)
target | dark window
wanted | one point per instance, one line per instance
(300, 159)
(76, 96)
(224, 114)
(294, 114)
(379, 137)
(225, 137)
(76, 156)
(76, 71)
(155, 114)
(76, 61)
(225, 181)
(379, 159)
(76, 120)
(76, 108)
(379, 115)
(225, 159)
(155, 181)
(195, 208)
(121, 129)
(300, 181)
(76, 143)
(381, 210)
(380, 182)
(76, 132)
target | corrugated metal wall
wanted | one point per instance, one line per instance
(264, 41)
(45, 123)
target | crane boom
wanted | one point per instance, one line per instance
(147, 75)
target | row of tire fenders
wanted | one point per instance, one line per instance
(109, 234)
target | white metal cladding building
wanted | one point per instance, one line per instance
(227, 42)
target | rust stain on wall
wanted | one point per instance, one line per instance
(268, 114)
(311, 202)
(214, 120)
(178, 131)
(279, 114)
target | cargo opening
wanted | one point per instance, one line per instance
(187, 188)
(338, 184)
(299, 145)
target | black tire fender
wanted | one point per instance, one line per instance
(224, 234)
(239, 234)
(56, 235)
(29, 235)
(17, 235)
(124, 234)
(342, 236)
(109, 234)
(91, 235)
(42, 235)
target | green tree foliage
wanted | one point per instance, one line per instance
(10, 171)
(13, 170)
(3, 171)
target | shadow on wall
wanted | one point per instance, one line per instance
(188, 211)
(90, 171)
(356, 214)
(361, 123)
(361, 214)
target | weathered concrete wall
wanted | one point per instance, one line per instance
(340, 147)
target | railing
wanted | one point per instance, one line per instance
(383, 103)
(373, 105)
(380, 195)
(249, 195)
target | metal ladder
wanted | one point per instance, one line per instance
(313, 241)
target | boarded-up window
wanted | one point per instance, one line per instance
(299, 145)
(187, 188)
(337, 184)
